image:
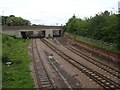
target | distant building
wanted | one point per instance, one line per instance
(119, 7)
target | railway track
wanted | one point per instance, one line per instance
(43, 79)
(52, 62)
(97, 77)
(92, 60)
(70, 82)
(95, 62)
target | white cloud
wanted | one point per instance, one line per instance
(55, 11)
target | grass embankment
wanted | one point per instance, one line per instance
(0, 61)
(94, 43)
(18, 74)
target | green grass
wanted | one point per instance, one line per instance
(18, 74)
(0, 61)
(103, 47)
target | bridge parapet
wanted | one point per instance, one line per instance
(32, 27)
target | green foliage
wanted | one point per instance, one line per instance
(18, 74)
(103, 26)
(30, 33)
(118, 30)
(14, 21)
(95, 43)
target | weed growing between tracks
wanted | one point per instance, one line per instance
(18, 74)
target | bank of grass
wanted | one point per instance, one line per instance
(0, 61)
(18, 74)
(110, 49)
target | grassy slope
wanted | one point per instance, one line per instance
(0, 61)
(103, 47)
(18, 74)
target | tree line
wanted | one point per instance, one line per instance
(12, 20)
(103, 26)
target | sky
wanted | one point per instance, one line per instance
(55, 12)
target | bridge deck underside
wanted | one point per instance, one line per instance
(40, 34)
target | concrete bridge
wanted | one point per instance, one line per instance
(33, 31)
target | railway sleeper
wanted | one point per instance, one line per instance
(81, 69)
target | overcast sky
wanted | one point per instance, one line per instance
(50, 12)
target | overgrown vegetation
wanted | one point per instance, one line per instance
(95, 43)
(15, 63)
(103, 26)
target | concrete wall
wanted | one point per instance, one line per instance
(16, 33)
(49, 32)
(32, 27)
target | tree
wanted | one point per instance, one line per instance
(14, 21)
(103, 26)
(72, 25)
(118, 30)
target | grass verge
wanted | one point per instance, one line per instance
(94, 44)
(0, 61)
(18, 74)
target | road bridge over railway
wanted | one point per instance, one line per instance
(33, 31)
